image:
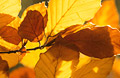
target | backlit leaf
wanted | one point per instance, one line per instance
(8, 10)
(97, 42)
(5, 19)
(107, 14)
(32, 26)
(57, 62)
(95, 68)
(63, 60)
(64, 13)
(34, 54)
(15, 23)
(10, 34)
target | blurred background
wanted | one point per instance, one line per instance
(28, 72)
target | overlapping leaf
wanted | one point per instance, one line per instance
(10, 34)
(33, 25)
(97, 42)
(64, 13)
(62, 60)
(9, 9)
(95, 68)
(107, 14)
(57, 62)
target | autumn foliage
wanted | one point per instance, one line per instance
(67, 39)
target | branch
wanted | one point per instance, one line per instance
(20, 50)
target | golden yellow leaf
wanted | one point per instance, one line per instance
(31, 58)
(99, 42)
(107, 14)
(57, 62)
(22, 72)
(8, 10)
(64, 13)
(94, 68)
(63, 60)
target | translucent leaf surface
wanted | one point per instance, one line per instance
(64, 13)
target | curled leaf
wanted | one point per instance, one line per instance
(99, 42)
(32, 26)
(10, 34)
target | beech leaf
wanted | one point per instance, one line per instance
(99, 42)
(57, 62)
(95, 68)
(9, 9)
(104, 14)
(32, 26)
(63, 60)
(64, 13)
(10, 34)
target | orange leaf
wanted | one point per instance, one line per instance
(5, 19)
(10, 34)
(22, 72)
(107, 14)
(32, 26)
(3, 68)
(97, 42)
(63, 60)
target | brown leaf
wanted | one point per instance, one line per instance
(99, 42)
(32, 26)
(3, 68)
(63, 60)
(10, 34)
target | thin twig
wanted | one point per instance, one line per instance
(20, 50)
